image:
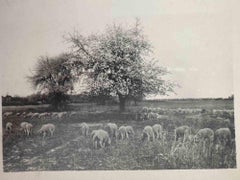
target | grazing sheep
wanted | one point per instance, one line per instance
(47, 128)
(101, 137)
(157, 129)
(43, 115)
(204, 138)
(204, 134)
(9, 127)
(35, 115)
(29, 115)
(152, 116)
(129, 131)
(61, 114)
(84, 129)
(182, 132)
(112, 129)
(26, 127)
(122, 132)
(18, 114)
(23, 127)
(6, 114)
(148, 132)
(223, 136)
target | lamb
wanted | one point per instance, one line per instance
(182, 132)
(6, 114)
(9, 127)
(204, 134)
(26, 127)
(84, 129)
(148, 132)
(112, 129)
(129, 131)
(47, 128)
(122, 132)
(157, 129)
(223, 136)
(100, 137)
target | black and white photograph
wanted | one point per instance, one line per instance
(89, 85)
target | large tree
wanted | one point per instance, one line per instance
(120, 62)
(55, 77)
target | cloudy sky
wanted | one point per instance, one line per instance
(192, 38)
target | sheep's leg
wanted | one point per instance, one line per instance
(122, 136)
(127, 135)
(148, 136)
(101, 143)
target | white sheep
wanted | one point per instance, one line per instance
(204, 138)
(122, 132)
(35, 115)
(112, 129)
(9, 126)
(29, 127)
(23, 127)
(204, 134)
(26, 127)
(182, 132)
(148, 132)
(158, 130)
(47, 128)
(84, 129)
(223, 136)
(101, 137)
(129, 131)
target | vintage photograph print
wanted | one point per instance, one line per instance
(116, 85)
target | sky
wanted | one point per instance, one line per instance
(192, 38)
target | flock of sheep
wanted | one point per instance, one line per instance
(27, 128)
(103, 137)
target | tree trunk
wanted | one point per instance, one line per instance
(122, 102)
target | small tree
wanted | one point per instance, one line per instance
(120, 64)
(55, 77)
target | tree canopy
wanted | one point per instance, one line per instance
(55, 76)
(121, 64)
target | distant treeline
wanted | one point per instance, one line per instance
(37, 99)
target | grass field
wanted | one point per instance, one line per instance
(68, 150)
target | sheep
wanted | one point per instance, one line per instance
(29, 127)
(61, 114)
(122, 132)
(129, 131)
(9, 127)
(23, 127)
(6, 114)
(29, 115)
(43, 115)
(152, 116)
(223, 136)
(26, 127)
(204, 134)
(101, 137)
(84, 129)
(148, 132)
(204, 138)
(47, 128)
(182, 132)
(157, 129)
(112, 129)
(35, 115)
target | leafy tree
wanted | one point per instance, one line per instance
(55, 76)
(120, 63)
